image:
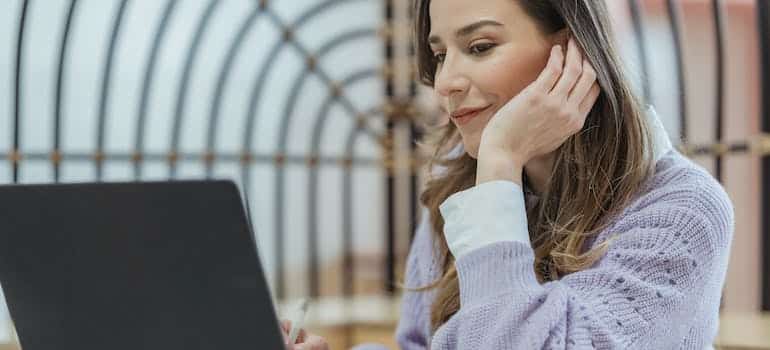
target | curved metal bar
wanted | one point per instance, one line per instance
(59, 84)
(106, 81)
(347, 209)
(251, 116)
(414, 135)
(301, 78)
(348, 263)
(17, 96)
(279, 191)
(224, 73)
(313, 214)
(636, 18)
(763, 23)
(181, 99)
(675, 21)
(251, 119)
(390, 179)
(258, 86)
(316, 10)
(256, 92)
(329, 82)
(149, 74)
(719, 29)
(326, 48)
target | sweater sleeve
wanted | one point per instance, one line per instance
(641, 295)
(413, 331)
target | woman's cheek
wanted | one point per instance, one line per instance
(504, 81)
(517, 72)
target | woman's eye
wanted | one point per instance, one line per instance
(481, 48)
(439, 57)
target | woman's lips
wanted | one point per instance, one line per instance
(467, 117)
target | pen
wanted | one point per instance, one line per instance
(298, 321)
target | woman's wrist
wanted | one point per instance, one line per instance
(491, 166)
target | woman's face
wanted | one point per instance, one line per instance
(486, 53)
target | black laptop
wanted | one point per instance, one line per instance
(133, 266)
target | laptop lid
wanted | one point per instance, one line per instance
(164, 265)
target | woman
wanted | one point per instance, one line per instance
(567, 220)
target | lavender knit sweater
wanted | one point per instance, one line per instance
(658, 286)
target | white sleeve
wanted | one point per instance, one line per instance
(488, 213)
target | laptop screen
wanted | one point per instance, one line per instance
(166, 265)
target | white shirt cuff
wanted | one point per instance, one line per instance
(488, 213)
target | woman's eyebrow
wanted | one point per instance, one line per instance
(467, 30)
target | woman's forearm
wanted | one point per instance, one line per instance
(493, 166)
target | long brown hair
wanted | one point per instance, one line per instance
(595, 174)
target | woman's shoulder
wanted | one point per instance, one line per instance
(680, 186)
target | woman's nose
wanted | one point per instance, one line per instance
(450, 81)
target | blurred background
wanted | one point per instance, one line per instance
(310, 106)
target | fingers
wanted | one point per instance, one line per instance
(588, 102)
(313, 342)
(573, 68)
(587, 80)
(550, 74)
(286, 328)
(302, 336)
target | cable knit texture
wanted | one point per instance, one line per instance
(658, 286)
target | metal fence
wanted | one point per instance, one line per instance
(392, 110)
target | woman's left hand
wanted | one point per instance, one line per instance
(305, 340)
(540, 118)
